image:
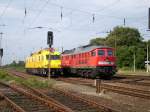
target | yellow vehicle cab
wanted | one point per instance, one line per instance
(38, 62)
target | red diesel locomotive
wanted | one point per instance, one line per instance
(89, 61)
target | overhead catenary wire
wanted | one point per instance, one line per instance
(93, 18)
(25, 11)
(87, 12)
(61, 15)
(83, 11)
(39, 13)
(108, 6)
(5, 9)
(94, 14)
(26, 14)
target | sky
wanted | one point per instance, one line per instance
(19, 19)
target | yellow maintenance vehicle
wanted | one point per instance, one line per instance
(38, 63)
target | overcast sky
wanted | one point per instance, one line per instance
(74, 29)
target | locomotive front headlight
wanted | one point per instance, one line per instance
(105, 62)
(101, 62)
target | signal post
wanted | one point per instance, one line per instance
(50, 43)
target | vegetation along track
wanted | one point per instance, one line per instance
(23, 101)
(73, 102)
(114, 88)
(127, 79)
(118, 89)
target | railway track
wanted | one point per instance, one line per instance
(22, 101)
(78, 103)
(136, 80)
(73, 102)
(109, 87)
(106, 86)
(18, 74)
(70, 101)
(128, 79)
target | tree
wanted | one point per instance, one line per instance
(98, 41)
(123, 36)
(123, 57)
(127, 42)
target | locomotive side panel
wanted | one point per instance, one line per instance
(38, 63)
(98, 61)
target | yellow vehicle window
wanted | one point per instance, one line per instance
(53, 57)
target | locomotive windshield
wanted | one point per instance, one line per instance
(110, 53)
(53, 57)
(101, 52)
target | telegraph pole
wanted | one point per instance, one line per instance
(1, 35)
(1, 50)
(134, 61)
(149, 18)
(124, 22)
(147, 58)
(62, 49)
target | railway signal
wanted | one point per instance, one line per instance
(1, 49)
(149, 18)
(1, 52)
(50, 38)
(1, 55)
(50, 43)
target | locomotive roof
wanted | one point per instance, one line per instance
(82, 49)
(46, 50)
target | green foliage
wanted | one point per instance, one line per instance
(4, 76)
(32, 82)
(124, 36)
(127, 42)
(14, 63)
(97, 41)
(16, 66)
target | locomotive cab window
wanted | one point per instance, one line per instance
(101, 52)
(93, 53)
(110, 53)
(53, 57)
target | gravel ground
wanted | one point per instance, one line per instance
(124, 103)
(4, 107)
(147, 88)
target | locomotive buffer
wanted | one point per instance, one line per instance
(49, 43)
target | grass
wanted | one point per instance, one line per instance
(18, 68)
(32, 82)
(129, 71)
